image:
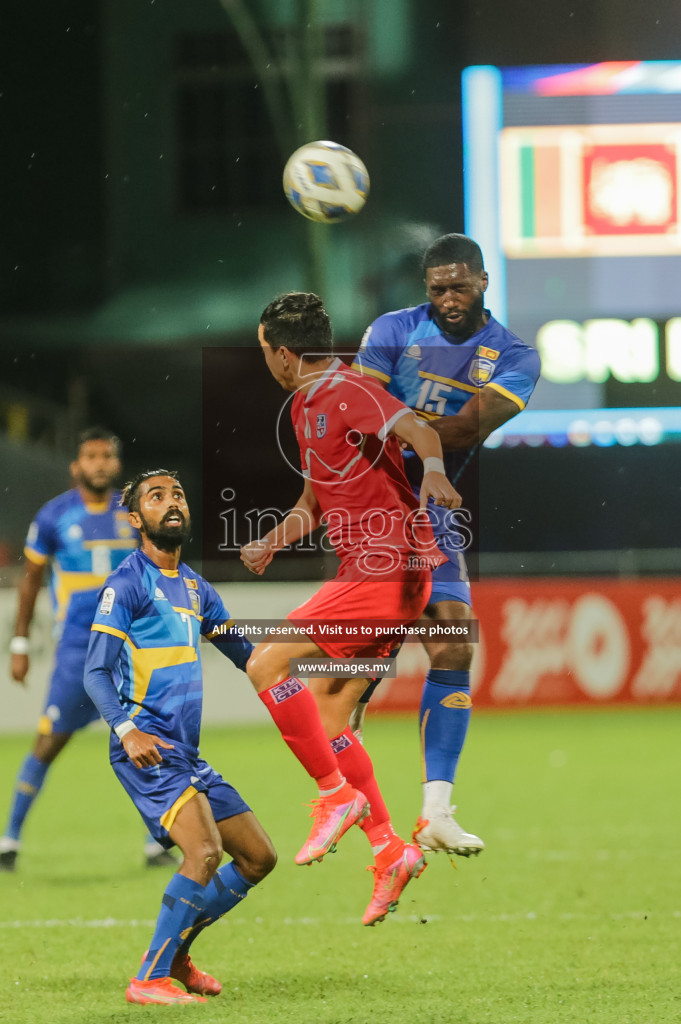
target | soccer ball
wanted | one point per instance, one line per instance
(326, 182)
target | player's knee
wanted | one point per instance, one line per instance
(266, 861)
(210, 854)
(455, 657)
(263, 671)
(256, 863)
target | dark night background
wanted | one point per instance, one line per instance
(144, 229)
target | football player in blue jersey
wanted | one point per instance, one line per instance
(466, 374)
(83, 534)
(143, 671)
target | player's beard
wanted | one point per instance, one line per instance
(167, 538)
(468, 325)
(98, 486)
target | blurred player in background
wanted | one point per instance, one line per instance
(458, 368)
(83, 534)
(143, 671)
(349, 434)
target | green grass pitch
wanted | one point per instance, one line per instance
(572, 914)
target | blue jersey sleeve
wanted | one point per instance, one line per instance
(381, 347)
(517, 375)
(215, 627)
(116, 607)
(41, 540)
(103, 653)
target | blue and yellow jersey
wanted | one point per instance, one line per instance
(83, 542)
(434, 374)
(145, 636)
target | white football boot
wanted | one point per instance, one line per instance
(440, 831)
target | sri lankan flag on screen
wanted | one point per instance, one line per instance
(591, 190)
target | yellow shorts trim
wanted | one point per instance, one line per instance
(45, 726)
(168, 819)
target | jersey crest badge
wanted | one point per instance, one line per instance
(190, 583)
(414, 351)
(321, 424)
(108, 598)
(481, 371)
(487, 353)
(195, 601)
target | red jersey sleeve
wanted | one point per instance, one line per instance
(369, 408)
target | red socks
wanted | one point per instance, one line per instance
(356, 766)
(296, 716)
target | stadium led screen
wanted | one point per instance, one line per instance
(573, 189)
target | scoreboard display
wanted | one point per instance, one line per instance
(572, 181)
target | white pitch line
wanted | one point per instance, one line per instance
(528, 915)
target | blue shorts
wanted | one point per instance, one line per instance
(67, 706)
(450, 580)
(161, 791)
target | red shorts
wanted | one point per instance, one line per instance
(333, 617)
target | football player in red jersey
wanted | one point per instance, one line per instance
(349, 432)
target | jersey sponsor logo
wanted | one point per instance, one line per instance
(289, 688)
(108, 598)
(195, 601)
(481, 371)
(487, 353)
(32, 534)
(414, 351)
(159, 595)
(321, 424)
(340, 743)
(74, 532)
(457, 700)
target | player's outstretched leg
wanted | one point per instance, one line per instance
(395, 862)
(444, 717)
(296, 715)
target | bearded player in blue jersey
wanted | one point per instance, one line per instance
(81, 535)
(143, 672)
(466, 374)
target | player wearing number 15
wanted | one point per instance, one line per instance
(83, 534)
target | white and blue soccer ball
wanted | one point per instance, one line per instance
(326, 182)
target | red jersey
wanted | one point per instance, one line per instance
(372, 516)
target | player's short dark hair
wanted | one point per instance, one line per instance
(97, 434)
(299, 322)
(130, 496)
(453, 249)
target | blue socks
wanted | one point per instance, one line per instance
(186, 909)
(183, 901)
(443, 720)
(26, 788)
(226, 888)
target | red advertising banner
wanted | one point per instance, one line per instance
(555, 641)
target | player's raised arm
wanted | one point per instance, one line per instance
(303, 519)
(28, 593)
(484, 412)
(427, 446)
